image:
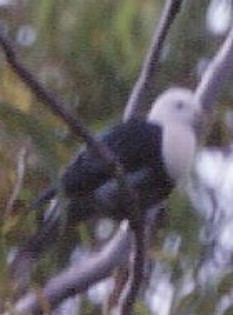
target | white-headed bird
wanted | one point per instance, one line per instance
(164, 143)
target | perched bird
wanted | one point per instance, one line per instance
(164, 144)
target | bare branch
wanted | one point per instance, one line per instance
(55, 104)
(137, 266)
(216, 74)
(142, 88)
(77, 279)
(141, 246)
(124, 293)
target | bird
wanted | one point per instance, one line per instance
(164, 144)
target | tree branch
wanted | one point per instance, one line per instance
(142, 88)
(216, 74)
(77, 279)
(21, 165)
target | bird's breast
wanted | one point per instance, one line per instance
(178, 150)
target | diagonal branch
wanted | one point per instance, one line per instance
(216, 74)
(21, 165)
(77, 279)
(142, 88)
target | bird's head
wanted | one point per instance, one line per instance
(176, 105)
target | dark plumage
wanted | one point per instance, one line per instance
(165, 143)
(135, 144)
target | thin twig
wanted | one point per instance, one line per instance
(121, 277)
(19, 180)
(142, 88)
(136, 274)
(142, 232)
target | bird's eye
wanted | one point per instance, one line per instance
(180, 106)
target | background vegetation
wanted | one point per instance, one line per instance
(90, 53)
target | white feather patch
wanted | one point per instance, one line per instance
(179, 146)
